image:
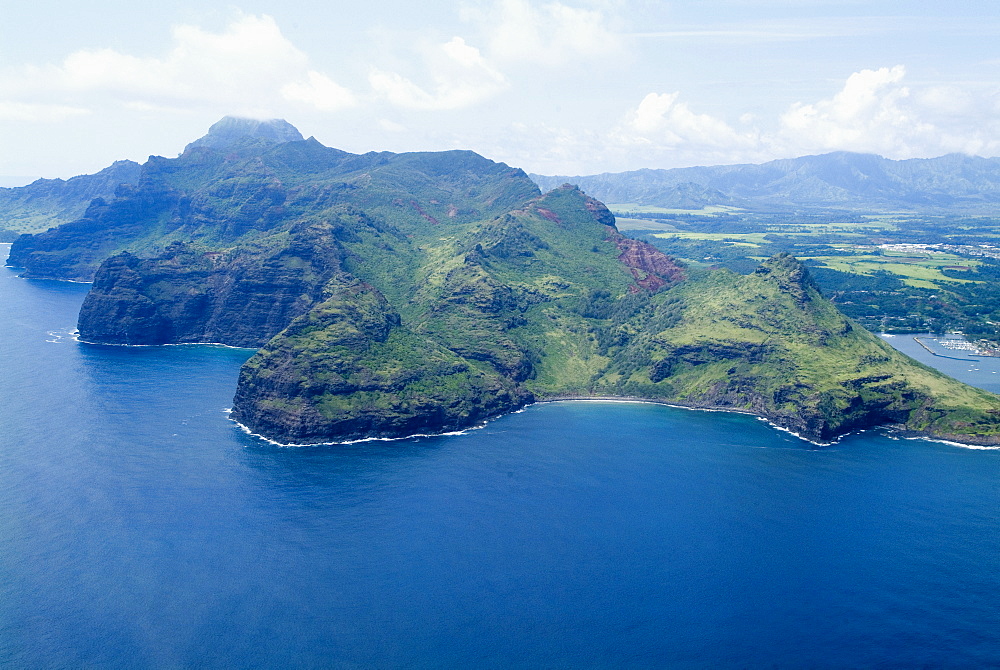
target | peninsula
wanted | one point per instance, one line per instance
(393, 294)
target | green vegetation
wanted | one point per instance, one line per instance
(348, 368)
(920, 272)
(633, 208)
(400, 294)
(626, 224)
(739, 239)
(866, 267)
(768, 343)
(48, 203)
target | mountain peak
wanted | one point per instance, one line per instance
(232, 129)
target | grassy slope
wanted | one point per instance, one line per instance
(472, 332)
(767, 343)
(539, 297)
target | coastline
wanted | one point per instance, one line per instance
(954, 440)
(730, 410)
(5, 252)
(165, 344)
(934, 353)
(894, 428)
(229, 415)
(73, 335)
(899, 432)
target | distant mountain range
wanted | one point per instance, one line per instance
(954, 183)
(834, 180)
(46, 203)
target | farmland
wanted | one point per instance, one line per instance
(892, 271)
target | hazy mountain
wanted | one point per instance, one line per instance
(46, 203)
(839, 179)
(230, 129)
(50, 202)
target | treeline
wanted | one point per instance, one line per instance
(882, 302)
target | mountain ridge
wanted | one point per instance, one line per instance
(46, 203)
(837, 179)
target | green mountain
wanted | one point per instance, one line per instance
(836, 180)
(393, 294)
(46, 203)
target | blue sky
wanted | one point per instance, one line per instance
(564, 87)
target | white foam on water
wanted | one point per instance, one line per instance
(245, 429)
(168, 344)
(465, 431)
(64, 335)
(950, 443)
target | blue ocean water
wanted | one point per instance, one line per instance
(141, 528)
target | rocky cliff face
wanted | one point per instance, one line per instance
(242, 297)
(651, 268)
(348, 369)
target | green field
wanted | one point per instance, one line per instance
(738, 239)
(624, 223)
(905, 290)
(923, 271)
(710, 210)
(835, 227)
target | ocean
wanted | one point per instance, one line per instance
(140, 527)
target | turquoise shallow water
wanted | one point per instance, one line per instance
(141, 528)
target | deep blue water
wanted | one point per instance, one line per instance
(140, 528)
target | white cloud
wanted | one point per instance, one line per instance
(666, 131)
(249, 65)
(391, 126)
(661, 118)
(549, 34)
(461, 78)
(874, 112)
(320, 91)
(25, 111)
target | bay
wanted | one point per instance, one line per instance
(139, 527)
(981, 371)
